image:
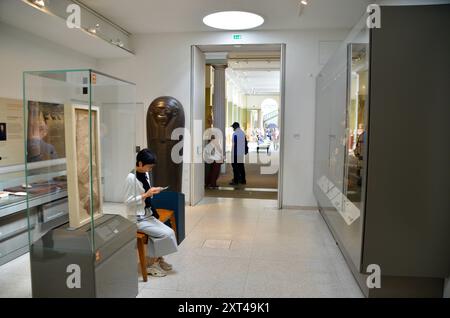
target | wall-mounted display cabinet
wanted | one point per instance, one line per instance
(381, 150)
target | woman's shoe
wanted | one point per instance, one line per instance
(155, 271)
(164, 265)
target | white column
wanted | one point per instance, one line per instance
(219, 107)
(260, 118)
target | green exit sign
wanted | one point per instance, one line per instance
(237, 37)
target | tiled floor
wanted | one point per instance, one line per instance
(272, 253)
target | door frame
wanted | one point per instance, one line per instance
(193, 146)
(282, 122)
(282, 119)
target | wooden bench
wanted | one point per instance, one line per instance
(142, 238)
(263, 146)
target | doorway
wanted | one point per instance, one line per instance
(241, 84)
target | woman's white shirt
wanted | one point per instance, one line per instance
(133, 197)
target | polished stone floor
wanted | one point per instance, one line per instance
(238, 248)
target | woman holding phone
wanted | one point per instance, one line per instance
(139, 192)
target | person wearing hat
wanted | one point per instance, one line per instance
(238, 152)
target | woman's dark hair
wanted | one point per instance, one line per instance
(146, 156)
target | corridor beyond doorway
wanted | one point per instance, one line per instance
(259, 186)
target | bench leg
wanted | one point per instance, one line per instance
(142, 258)
(173, 224)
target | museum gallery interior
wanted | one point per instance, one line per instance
(217, 149)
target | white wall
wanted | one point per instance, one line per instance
(162, 67)
(21, 51)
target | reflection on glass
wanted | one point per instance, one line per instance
(356, 125)
(45, 131)
(45, 151)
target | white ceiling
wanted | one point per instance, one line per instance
(255, 77)
(257, 82)
(255, 69)
(153, 16)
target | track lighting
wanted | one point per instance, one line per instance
(301, 5)
(93, 30)
(38, 3)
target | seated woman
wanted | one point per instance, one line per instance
(162, 239)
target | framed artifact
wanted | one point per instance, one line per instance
(82, 131)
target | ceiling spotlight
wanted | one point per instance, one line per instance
(38, 3)
(301, 6)
(93, 30)
(233, 20)
(118, 42)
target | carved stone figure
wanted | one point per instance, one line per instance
(164, 115)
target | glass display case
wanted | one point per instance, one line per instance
(342, 106)
(13, 218)
(377, 107)
(79, 148)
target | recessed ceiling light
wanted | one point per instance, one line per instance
(304, 2)
(233, 20)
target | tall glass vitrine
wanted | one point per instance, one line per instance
(378, 171)
(341, 119)
(79, 148)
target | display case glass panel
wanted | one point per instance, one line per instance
(12, 172)
(341, 111)
(356, 122)
(80, 145)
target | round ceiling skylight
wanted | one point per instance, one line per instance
(233, 20)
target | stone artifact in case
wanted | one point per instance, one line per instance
(83, 180)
